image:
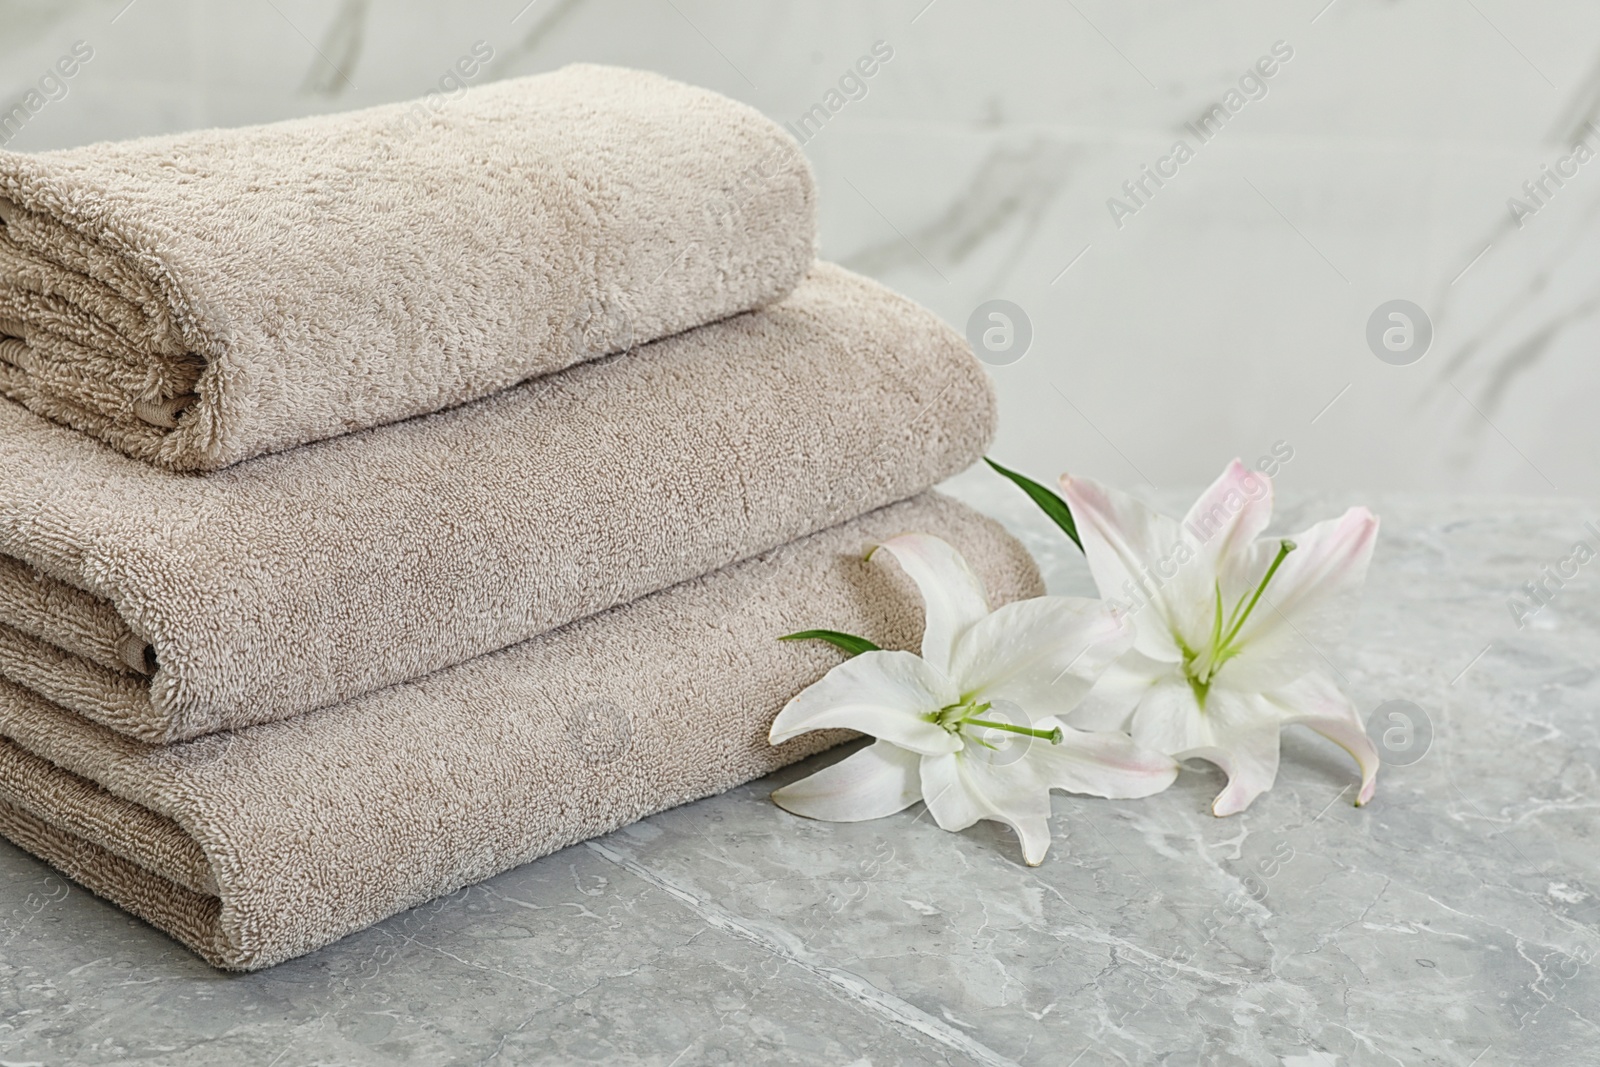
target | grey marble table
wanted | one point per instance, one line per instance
(1450, 922)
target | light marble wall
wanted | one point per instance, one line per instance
(1223, 317)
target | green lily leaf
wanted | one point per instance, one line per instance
(848, 642)
(1049, 502)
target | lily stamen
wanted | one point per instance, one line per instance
(1011, 670)
(1183, 693)
(1202, 668)
(1053, 736)
(954, 717)
(1284, 548)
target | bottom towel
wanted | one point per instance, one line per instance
(260, 845)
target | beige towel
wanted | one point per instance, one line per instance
(302, 579)
(202, 298)
(255, 846)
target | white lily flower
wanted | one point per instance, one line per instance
(1229, 627)
(941, 737)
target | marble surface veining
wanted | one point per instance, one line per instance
(1227, 313)
(1452, 921)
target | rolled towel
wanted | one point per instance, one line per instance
(309, 577)
(202, 298)
(255, 846)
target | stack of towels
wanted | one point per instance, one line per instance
(382, 507)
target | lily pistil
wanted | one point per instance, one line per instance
(1202, 666)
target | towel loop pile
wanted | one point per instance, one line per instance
(339, 463)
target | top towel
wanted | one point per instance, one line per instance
(198, 299)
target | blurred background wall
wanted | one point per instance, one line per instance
(1370, 151)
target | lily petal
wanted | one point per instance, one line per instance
(1138, 555)
(1251, 763)
(1111, 703)
(1101, 764)
(960, 790)
(945, 795)
(1169, 719)
(1236, 731)
(1226, 521)
(1313, 700)
(879, 780)
(953, 597)
(885, 694)
(1309, 603)
(1045, 654)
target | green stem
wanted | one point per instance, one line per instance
(1053, 736)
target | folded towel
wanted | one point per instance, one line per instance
(172, 605)
(202, 298)
(255, 846)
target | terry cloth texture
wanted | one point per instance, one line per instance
(202, 298)
(255, 846)
(170, 605)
